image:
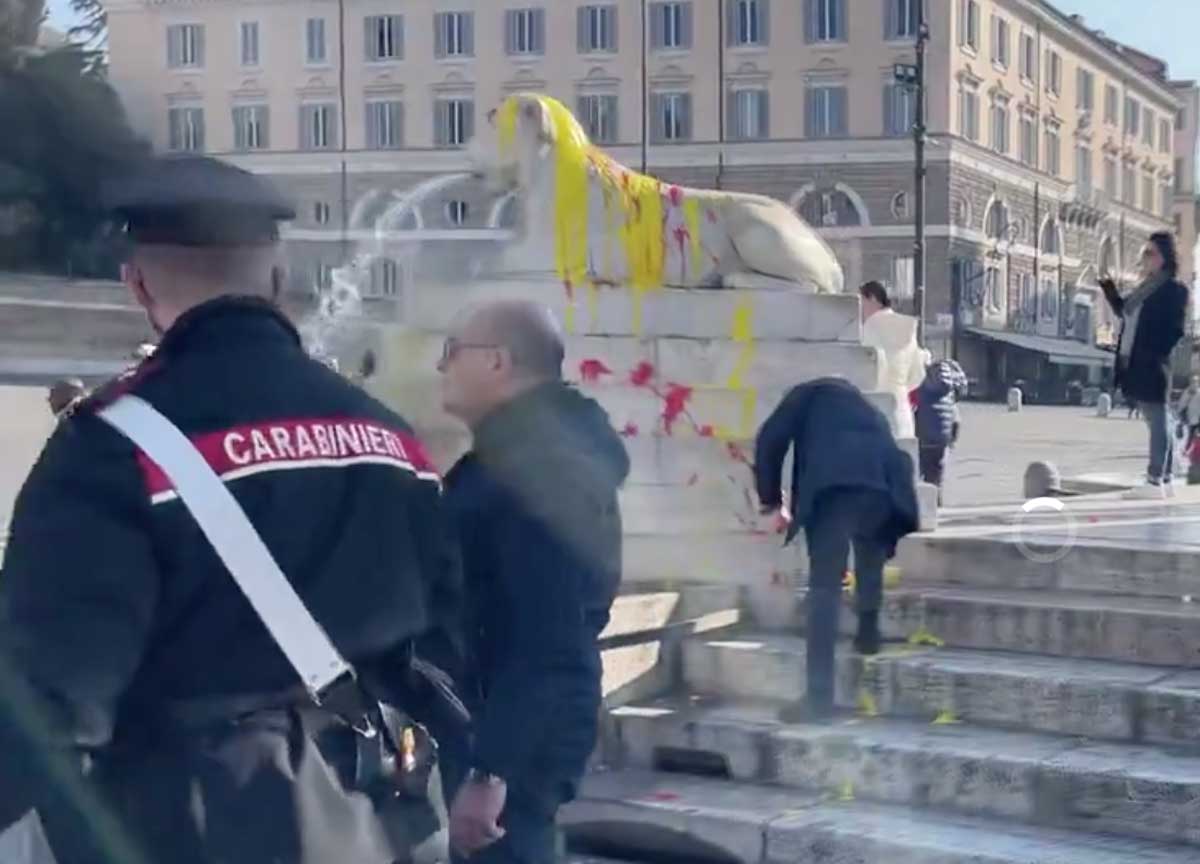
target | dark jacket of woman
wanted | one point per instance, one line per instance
(1145, 375)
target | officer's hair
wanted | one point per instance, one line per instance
(531, 334)
(189, 275)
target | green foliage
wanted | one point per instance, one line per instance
(65, 133)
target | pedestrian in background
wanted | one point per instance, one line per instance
(535, 503)
(64, 394)
(895, 336)
(852, 485)
(1188, 409)
(938, 422)
(1152, 323)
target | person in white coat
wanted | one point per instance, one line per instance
(895, 335)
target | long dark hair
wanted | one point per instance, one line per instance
(876, 292)
(1164, 241)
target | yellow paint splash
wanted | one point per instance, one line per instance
(635, 200)
(946, 718)
(867, 706)
(922, 636)
(846, 792)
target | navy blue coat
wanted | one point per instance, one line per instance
(1145, 376)
(839, 440)
(535, 504)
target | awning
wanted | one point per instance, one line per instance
(1064, 352)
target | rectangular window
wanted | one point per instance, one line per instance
(384, 38)
(672, 113)
(249, 40)
(902, 277)
(1083, 169)
(314, 40)
(185, 130)
(1133, 116)
(454, 34)
(1085, 90)
(899, 109)
(901, 19)
(671, 26)
(1128, 186)
(749, 115)
(1028, 142)
(968, 113)
(525, 31)
(1000, 41)
(1053, 151)
(1148, 127)
(827, 21)
(1112, 100)
(250, 127)
(1028, 59)
(1110, 177)
(1147, 191)
(1164, 136)
(1179, 187)
(1053, 72)
(825, 115)
(453, 122)
(385, 125)
(747, 21)
(318, 127)
(185, 46)
(968, 24)
(1000, 126)
(596, 29)
(598, 113)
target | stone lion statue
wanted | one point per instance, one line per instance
(597, 221)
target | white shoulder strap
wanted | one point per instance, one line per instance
(238, 545)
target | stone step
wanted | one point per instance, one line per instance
(655, 816)
(1094, 699)
(1052, 781)
(714, 362)
(1032, 559)
(700, 314)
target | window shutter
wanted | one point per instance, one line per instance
(332, 135)
(810, 112)
(764, 22)
(810, 20)
(199, 44)
(440, 123)
(264, 126)
(838, 110)
(468, 120)
(614, 29)
(891, 123)
(468, 33)
(441, 38)
(685, 112)
(685, 24)
(731, 8)
(962, 22)
(539, 31)
(614, 119)
(239, 129)
(733, 112)
(891, 18)
(656, 118)
(374, 136)
(842, 34)
(398, 36)
(764, 114)
(173, 51)
(582, 43)
(304, 138)
(658, 14)
(198, 120)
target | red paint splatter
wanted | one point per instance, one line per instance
(641, 374)
(676, 196)
(629, 430)
(706, 431)
(674, 404)
(592, 369)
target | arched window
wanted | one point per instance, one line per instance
(830, 208)
(1051, 238)
(996, 222)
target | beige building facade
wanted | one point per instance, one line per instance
(1053, 152)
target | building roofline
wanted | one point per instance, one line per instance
(1076, 26)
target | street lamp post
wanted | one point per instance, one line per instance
(912, 76)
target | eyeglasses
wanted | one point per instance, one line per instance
(451, 348)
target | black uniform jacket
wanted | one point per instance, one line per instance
(535, 502)
(114, 609)
(839, 440)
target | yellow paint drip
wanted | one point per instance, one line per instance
(846, 792)
(923, 637)
(866, 704)
(635, 200)
(946, 718)
(691, 218)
